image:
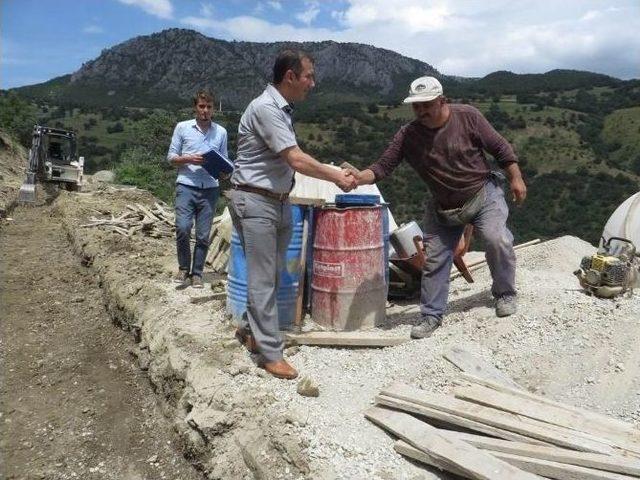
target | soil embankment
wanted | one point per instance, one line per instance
(13, 166)
(74, 403)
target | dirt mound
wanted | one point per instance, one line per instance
(13, 166)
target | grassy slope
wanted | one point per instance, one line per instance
(623, 127)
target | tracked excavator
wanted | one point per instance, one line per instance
(52, 159)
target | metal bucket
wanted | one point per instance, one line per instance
(402, 239)
(289, 276)
(348, 277)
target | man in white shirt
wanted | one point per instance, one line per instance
(196, 190)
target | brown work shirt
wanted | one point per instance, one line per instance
(450, 159)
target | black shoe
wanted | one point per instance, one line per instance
(426, 328)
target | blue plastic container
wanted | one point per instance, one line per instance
(289, 276)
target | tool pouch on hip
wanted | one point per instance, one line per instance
(462, 215)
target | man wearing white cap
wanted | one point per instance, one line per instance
(446, 145)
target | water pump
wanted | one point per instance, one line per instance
(612, 270)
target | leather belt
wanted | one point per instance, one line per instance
(262, 191)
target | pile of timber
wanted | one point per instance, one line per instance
(220, 242)
(491, 431)
(157, 221)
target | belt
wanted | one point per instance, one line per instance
(262, 191)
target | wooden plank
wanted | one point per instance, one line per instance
(616, 464)
(558, 471)
(543, 412)
(535, 466)
(316, 202)
(462, 457)
(454, 420)
(297, 320)
(504, 420)
(604, 422)
(473, 266)
(344, 339)
(470, 363)
(407, 450)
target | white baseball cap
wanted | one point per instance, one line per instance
(424, 89)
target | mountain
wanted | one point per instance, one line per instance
(168, 67)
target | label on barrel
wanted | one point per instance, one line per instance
(327, 269)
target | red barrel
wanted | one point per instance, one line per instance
(348, 279)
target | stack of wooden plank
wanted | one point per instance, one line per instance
(487, 430)
(157, 221)
(220, 242)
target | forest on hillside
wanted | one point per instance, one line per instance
(579, 149)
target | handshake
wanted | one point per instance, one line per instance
(349, 177)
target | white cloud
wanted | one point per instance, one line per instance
(93, 29)
(256, 30)
(467, 37)
(157, 8)
(310, 14)
(275, 5)
(206, 10)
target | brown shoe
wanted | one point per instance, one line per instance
(246, 339)
(181, 276)
(281, 369)
(196, 281)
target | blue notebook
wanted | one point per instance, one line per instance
(215, 163)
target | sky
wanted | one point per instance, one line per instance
(43, 39)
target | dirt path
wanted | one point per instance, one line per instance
(73, 404)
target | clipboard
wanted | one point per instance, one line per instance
(215, 163)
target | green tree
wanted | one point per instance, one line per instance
(144, 163)
(17, 117)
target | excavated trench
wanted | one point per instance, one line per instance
(74, 403)
(152, 399)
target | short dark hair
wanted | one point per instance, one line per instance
(205, 95)
(289, 60)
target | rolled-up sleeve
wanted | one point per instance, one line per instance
(270, 124)
(175, 149)
(391, 157)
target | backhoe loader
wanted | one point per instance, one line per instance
(52, 159)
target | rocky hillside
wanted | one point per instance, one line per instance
(170, 65)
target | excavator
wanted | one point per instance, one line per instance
(52, 159)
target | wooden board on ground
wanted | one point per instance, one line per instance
(403, 448)
(451, 454)
(503, 420)
(616, 464)
(543, 412)
(603, 422)
(344, 339)
(448, 419)
(470, 363)
(535, 466)
(558, 471)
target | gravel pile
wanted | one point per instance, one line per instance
(562, 343)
